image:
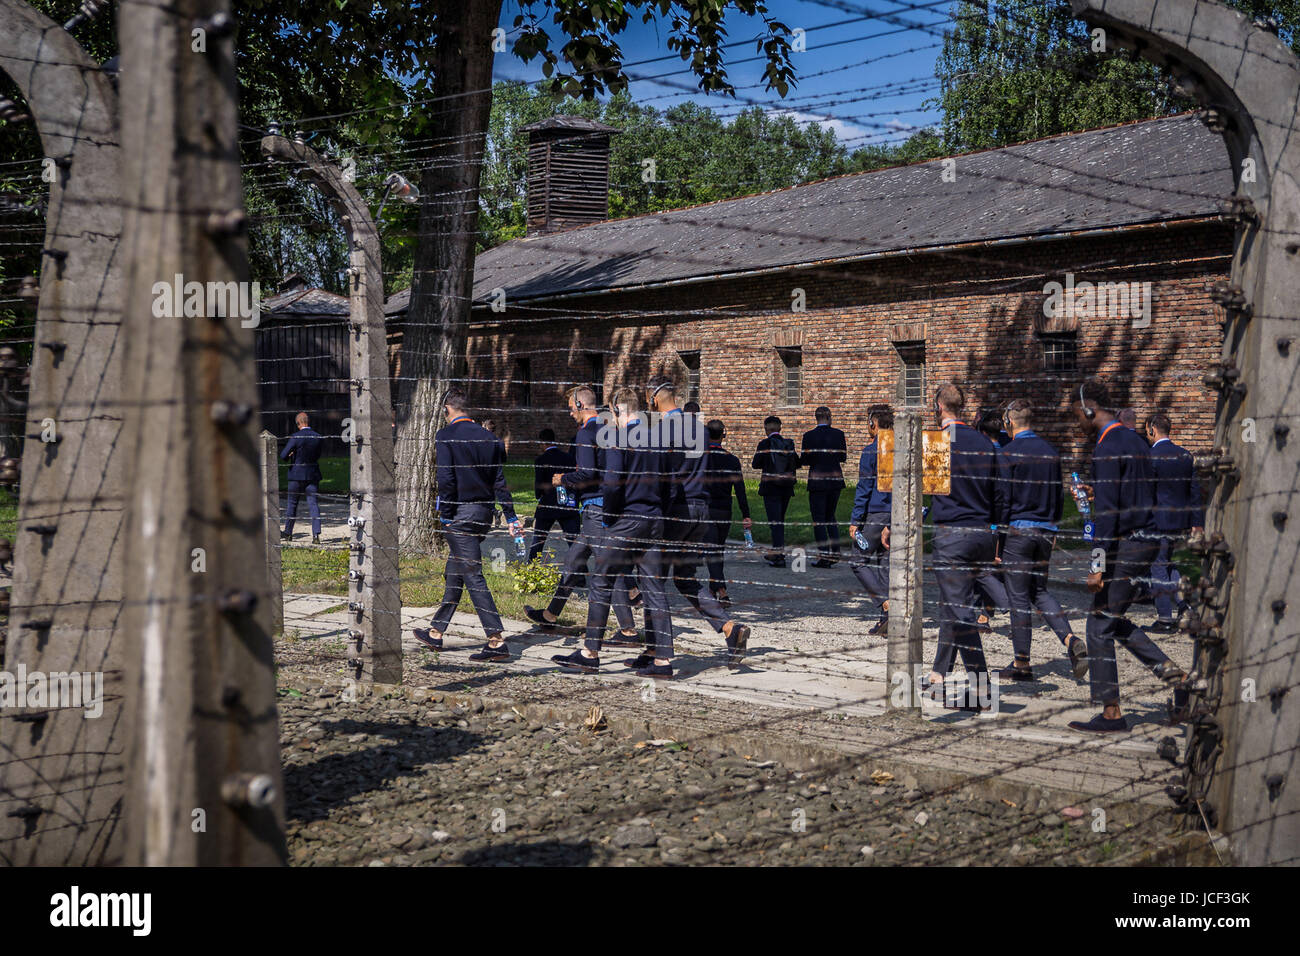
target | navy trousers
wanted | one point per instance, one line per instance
(688, 531)
(631, 543)
(296, 490)
(776, 506)
(1026, 558)
(591, 533)
(960, 555)
(465, 533)
(1129, 560)
(1164, 578)
(872, 565)
(826, 530)
(714, 552)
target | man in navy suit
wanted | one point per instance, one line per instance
(471, 483)
(776, 460)
(964, 544)
(303, 453)
(582, 484)
(1125, 542)
(1178, 509)
(1029, 470)
(824, 452)
(551, 462)
(633, 489)
(724, 478)
(871, 510)
(687, 524)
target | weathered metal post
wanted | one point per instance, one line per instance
(61, 774)
(375, 640)
(204, 784)
(271, 511)
(905, 649)
(1242, 756)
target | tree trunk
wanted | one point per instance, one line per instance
(433, 344)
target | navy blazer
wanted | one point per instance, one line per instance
(303, 452)
(976, 496)
(583, 482)
(867, 499)
(546, 466)
(637, 481)
(471, 468)
(775, 482)
(724, 476)
(824, 451)
(1029, 470)
(1178, 492)
(1123, 487)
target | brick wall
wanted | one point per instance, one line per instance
(979, 309)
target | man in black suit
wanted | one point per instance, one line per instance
(303, 451)
(471, 483)
(824, 453)
(632, 489)
(724, 477)
(871, 511)
(1029, 470)
(686, 513)
(551, 462)
(964, 544)
(582, 485)
(1178, 510)
(776, 460)
(1125, 542)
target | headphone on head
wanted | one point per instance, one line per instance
(1088, 413)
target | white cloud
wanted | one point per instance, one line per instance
(841, 128)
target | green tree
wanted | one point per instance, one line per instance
(1024, 69)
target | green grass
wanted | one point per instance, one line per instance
(8, 514)
(324, 571)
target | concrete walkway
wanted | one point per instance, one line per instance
(810, 652)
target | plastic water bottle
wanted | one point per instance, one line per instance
(520, 550)
(1081, 499)
(861, 539)
(561, 495)
(749, 539)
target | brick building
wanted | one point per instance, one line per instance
(875, 287)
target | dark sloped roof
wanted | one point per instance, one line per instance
(304, 302)
(1159, 170)
(580, 123)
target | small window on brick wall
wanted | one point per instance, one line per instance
(911, 374)
(596, 363)
(691, 359)
(524, 376)
(792, 375)
(1060, 352)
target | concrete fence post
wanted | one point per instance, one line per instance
(374, 600)
(61, 775)
(905, 565)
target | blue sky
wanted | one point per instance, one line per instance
(864, 76)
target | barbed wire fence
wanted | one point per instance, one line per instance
(1241, 498)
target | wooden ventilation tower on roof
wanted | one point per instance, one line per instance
(568, 173)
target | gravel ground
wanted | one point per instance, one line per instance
(398, 781)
